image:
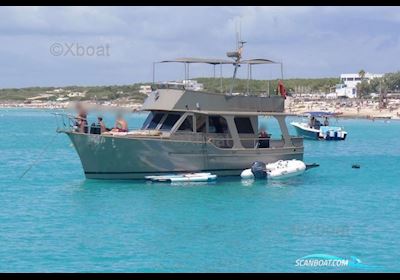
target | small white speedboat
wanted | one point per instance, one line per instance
(321, 133)
(315, 130)
(187, 177)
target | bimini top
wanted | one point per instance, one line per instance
(216, 61)
(213, 61)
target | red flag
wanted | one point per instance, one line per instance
(281, 89)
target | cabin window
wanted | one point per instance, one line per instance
(170, 121)
(201, 123)
(243, 125)
(187, 124)
(217, 124)
(152, 120)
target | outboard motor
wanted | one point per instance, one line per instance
(259, 169)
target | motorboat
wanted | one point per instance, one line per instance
(314, 129)
(190, 130)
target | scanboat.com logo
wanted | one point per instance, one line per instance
(323, 260)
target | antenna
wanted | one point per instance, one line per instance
(236, 55)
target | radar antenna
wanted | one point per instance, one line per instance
(236, 55)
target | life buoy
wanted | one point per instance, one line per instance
(282, 89)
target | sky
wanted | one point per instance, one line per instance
(60, 46)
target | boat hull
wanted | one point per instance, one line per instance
(106, 157)
(314, 134)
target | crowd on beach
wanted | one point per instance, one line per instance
(350, 108)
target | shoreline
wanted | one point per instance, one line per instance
(299, 109)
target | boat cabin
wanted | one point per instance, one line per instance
(227, 122)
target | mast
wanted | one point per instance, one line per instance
(237, 55)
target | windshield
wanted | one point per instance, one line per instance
(152, 120)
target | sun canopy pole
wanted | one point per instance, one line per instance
(220, 69)
(154, 72)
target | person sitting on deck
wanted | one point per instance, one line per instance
(100, 123)
(120, 124)
(264, 138)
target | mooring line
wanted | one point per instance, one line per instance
(39, 157)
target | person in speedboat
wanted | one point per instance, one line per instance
(326, 121)
(311, 123)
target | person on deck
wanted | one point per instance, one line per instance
(120, 124)
(263, 142)
(81, 119)
(103, 127)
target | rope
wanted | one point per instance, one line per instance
(39, 156)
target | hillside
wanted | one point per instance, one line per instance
(131, 92)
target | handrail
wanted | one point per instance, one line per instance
(254, 139)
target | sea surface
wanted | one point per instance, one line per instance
(54, 220)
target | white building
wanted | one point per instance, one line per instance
(76, 94)
(348, 84)
(187, 84)
(193, 85)
(145, 89)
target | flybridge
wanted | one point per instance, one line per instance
(236, 55)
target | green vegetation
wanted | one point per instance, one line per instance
(390, 82)
(90, 93)
(256, 86)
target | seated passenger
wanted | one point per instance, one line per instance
(263, 135)
(120, 124)
(103, 127)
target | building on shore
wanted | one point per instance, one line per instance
(145, 89)
(348, 84)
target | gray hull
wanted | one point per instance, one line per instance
(105, 157)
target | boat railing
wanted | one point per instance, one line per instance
(255, 142)
(248, 143)
(65, 122)
(68, 123)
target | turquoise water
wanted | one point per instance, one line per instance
(55, 220)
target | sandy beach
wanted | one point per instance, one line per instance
(345, 109)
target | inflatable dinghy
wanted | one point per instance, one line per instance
(277, 170)
(285, 168)
(189, 177)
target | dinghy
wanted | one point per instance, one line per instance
(279, 170)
